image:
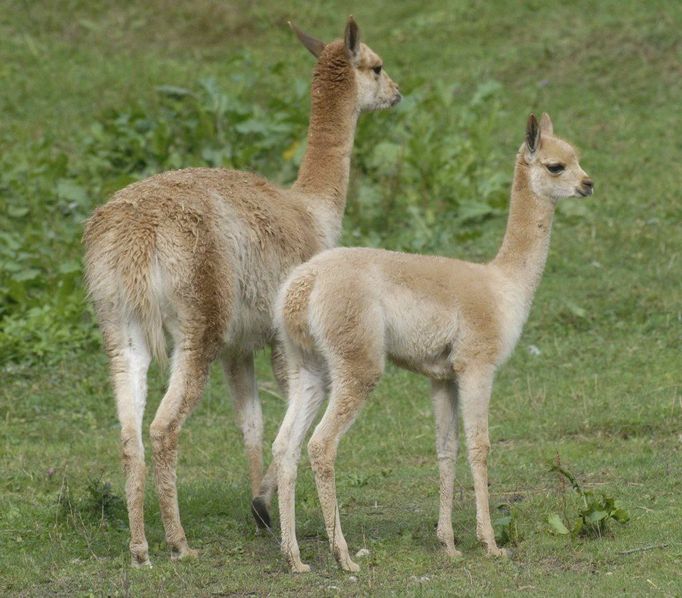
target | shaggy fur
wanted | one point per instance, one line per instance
(343, 312)
(199, 254)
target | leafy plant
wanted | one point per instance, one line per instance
(431, 172)
(594, 512)
(506, 526)
(96, 503)
(426, 169)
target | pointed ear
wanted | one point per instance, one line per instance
(546, 125)
(315, 46)
(351, 38)
(532, 134)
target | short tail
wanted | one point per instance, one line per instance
(151, 321)
(125, 282)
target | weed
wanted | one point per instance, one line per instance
(96, 504)
(506, 526)
(594, 512)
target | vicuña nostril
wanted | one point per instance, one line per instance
(588, 183)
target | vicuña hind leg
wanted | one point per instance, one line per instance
(241, 376)
(347, 396)
(444, 397)
(188, 377)
(306, 396)
(475, 386)
(129, 363)
(260, 505)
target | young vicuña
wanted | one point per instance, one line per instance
(340, 314)
(199, 254)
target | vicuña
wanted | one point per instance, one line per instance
(199, 254)
(343, 312)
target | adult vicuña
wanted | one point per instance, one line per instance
(345, 310)
(200, 253)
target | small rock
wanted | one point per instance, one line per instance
(533, 350)
(353, 579)
(363, 552)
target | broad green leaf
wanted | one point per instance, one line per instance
(557, 525)
(596, 516)
(621, 516)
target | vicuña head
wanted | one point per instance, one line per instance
(552, 162)
(356, 71)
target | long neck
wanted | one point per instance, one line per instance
(526, 241)
(325, 167)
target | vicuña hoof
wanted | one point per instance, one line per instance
(140, 563)
(499, 552)
(259, 510)
(348, 565)
(184, 552)
(299, 567)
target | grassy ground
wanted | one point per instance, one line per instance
(603, 393)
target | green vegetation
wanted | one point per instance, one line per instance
(594, 512)
(99, 94)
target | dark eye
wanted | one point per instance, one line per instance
(377, 69)
(555, 168)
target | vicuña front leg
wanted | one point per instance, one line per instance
(344, 403)
(475, 387)
(184, 391)
(444, 397)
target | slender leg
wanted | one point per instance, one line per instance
(344, 403)
(129, 366)
(444, 397)
(306, 396)
(187, 381)
(475, 387)
(278, 363)
(260, 505)
(241, 376)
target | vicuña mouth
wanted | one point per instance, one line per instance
(583, 193)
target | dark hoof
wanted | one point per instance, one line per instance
(260, 513)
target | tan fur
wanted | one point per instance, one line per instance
(198, 254)
(345, 310)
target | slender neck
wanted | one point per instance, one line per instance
(325, 167)
(526, 240)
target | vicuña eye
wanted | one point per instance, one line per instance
(377, 69)
(555, 168)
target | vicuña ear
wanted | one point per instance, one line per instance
(352, 38)
(314, 46)
(546, 125)
(532, 134)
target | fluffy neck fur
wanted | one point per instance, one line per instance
(325, 166)
(525, 246)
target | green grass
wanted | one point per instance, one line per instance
(604, 392)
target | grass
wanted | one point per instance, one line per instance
(603, 393)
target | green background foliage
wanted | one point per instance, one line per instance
(100, 94)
